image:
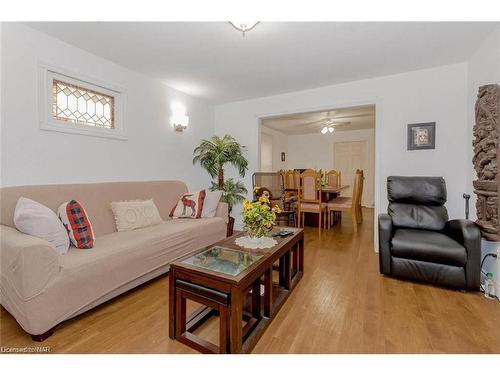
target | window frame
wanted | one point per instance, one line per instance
(48, 73)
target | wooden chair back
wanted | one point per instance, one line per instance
(333, 178)
(289, 180)
(296, 179)
(357, 190)
(272, 181)
(310, 187)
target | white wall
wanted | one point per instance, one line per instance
(153, 150)
(437, 94)
(280, 144)
(317, 151)
(266, 152)
(483, 68)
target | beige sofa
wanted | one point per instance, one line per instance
(42, 289)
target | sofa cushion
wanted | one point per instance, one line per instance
(77, 223)
(212, 199)
(190, 205)
(429, 191)
(35, 219)
(416, 216)
(428, 246)
(146, 248)
(95, 198)
(130, 215)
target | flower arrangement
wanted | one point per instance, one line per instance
(259, 216)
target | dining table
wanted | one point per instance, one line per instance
(328, 192)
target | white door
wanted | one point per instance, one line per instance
(349, 156)
(266, 153)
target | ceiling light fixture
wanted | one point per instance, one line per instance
(328, 129)
(243, 26)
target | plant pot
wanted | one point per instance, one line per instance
(230, 226)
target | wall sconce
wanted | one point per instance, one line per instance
(180, 122)
(179, 119)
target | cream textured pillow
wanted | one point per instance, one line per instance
(35, 219)
(131, 215)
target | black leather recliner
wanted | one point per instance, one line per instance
(418, 242)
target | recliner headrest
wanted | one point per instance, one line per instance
(429, 191)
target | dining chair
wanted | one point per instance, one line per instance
(275, 183)
(333, 178)
(289, 182)
(360, 210)
(352, 204)
(310, 200)
(296, 179)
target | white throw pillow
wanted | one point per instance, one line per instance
(37, 220)
(212, 199)
(131, 215)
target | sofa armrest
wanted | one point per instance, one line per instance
(27, 263)
(467, 233)
(384, 243)
(223, 211)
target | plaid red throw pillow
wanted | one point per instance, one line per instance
(77, 223)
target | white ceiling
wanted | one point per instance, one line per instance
(212, 60)
(353, 118)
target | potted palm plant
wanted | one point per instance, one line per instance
(213, 155)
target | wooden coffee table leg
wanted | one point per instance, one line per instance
(172, 301)
(236, 321)
(301, 254)
(180, 314)
(285, 274)
(256, 299)
(224, 329)
(268, 292)
(295, 259)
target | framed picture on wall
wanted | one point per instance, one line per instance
(422, 136)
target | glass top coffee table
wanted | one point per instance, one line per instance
(223, 260)
(237, 284)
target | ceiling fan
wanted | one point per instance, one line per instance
(329, 122)
(330, 126)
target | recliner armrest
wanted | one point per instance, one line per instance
(384, 243)
(467, 233)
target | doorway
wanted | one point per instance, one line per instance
(350, 156)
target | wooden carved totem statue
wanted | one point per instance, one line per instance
(486, 158)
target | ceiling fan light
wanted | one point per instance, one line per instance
(331, 129)
(243, 26)
(324, 130)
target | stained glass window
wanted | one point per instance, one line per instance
(79, 105)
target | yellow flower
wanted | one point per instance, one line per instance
(246, 204)
(263, 200)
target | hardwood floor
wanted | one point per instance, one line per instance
(342, 305)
